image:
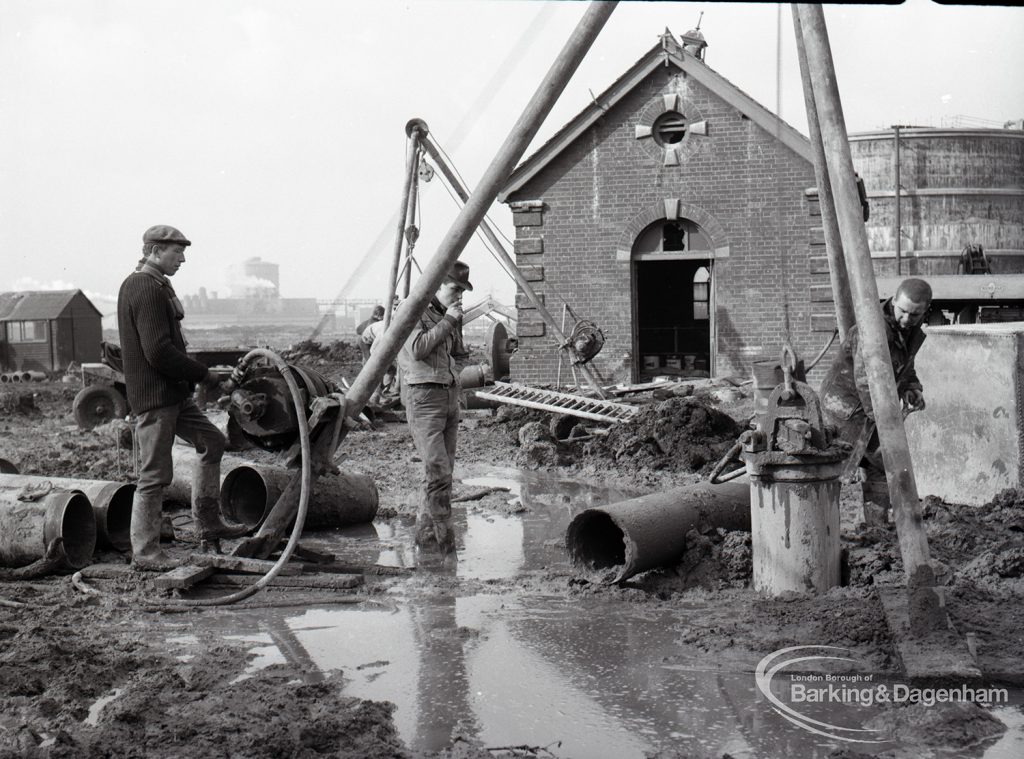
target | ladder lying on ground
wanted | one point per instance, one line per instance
(558, 403)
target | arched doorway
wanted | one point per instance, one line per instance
(673, 300)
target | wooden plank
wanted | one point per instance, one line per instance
(319, 582)
(940, 654)
(311, 554)
(240, 564)
(183, 577)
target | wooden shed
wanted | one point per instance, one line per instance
(46, 330)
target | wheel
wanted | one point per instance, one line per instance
(98, 404)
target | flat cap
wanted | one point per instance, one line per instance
(164, 233)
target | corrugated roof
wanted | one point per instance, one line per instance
(665, 52)
(34, 304)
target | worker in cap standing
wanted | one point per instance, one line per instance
(430, 393)
(846, 400)
(160, 378)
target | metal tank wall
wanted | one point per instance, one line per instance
(958, 186)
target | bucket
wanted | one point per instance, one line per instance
(28, 527)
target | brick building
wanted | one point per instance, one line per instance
(674, 212)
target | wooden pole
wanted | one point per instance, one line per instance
(410, 219)
(826, 202)
(523, 132)
(503, 256)
(925, 607)
(403, 215)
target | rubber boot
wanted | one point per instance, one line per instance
(435, 530)
(876, 502)
(210, 525)
(147, 517)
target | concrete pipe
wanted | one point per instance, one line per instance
(650, 531)
(6, 467)
(28, 527)
(472, 401)
(185, 458)
(33, 376)
(474, 375)
(249, 492)
(111, 504)
(15, 377)
(5, 378)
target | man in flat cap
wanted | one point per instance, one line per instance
(430, 393)
(160, 378)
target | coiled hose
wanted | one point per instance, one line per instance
(300, 516)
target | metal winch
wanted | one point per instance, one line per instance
(261, 406)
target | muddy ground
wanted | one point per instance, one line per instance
(61, 649)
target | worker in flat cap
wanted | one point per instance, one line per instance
(160, 378)
(430, 393)
(846, 400)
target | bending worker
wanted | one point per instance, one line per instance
(845, 398)
(160, 379)
(431, 397)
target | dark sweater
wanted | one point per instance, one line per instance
(157, 371)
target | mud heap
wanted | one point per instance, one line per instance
(678, 434)
(339, 355)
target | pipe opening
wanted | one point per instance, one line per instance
(78, 528)
(118, 522)
(594, 541)
(244, 496)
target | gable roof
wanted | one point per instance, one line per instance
(27, 305)
(666, 52)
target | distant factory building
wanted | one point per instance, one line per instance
(47, 330)
(255, 300)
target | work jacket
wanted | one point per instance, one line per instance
(157, 370)
(428, 353)
(844, 391)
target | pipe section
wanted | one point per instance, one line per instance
(249, 492)
(28, 527)
(650, 531)
(111, 504)
(6, 467)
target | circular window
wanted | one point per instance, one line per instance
(669, 128)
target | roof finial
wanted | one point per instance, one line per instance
(693, 40)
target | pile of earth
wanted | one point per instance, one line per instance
(678, 434)
(339, 356)
(977, 543)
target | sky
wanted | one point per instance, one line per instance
(276, 128)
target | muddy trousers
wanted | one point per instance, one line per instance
(432, 411)
(155, 430)
(874, 486)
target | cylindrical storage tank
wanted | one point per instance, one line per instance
(28, 527)
(957, 186)
(650, 531)
(111, 504)
(249, 492)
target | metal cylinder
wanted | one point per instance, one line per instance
(28, 527)
(650, 531)
(111, 504)
(474, 375)
(794, 525)
(767, 375)
(249, 492)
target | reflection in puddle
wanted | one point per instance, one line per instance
(507, 669)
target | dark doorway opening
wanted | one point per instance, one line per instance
(673, 318)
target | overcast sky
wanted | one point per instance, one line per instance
(275, 128)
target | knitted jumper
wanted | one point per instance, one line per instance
(157, 371)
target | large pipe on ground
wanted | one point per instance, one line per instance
(111, 504)
(6, 467)
(28, 527)
(248, 494)
(650, 531)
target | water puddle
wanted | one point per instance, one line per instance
(93, 717)
(581, 675)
